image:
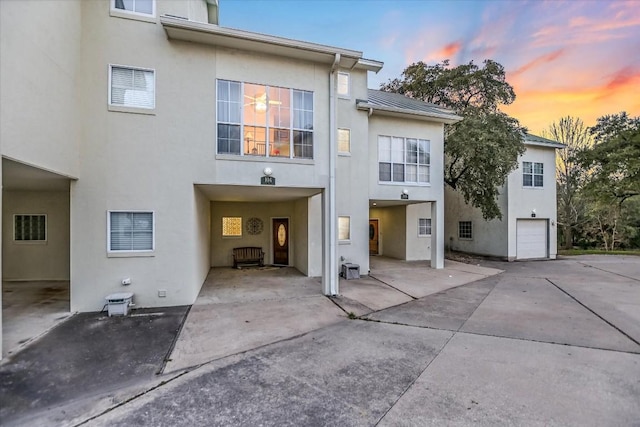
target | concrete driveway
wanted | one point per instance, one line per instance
(543, 343)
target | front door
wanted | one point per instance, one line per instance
(373, 237)
(281, 241)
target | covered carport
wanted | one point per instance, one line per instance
(35, 252)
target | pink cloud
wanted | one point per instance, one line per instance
(540, 60)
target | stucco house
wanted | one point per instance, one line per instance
(142, 142)
(528, 204)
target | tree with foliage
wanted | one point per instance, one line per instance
(613, 165)
(481, 149)
(570, 175)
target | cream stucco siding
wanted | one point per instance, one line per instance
(47, 260)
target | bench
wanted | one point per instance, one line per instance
(248, 255)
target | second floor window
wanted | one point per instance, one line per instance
(144, 7)
(404, 160)
(532, 174)
(264, 121)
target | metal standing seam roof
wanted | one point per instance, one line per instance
(403, 104)
(544, 142)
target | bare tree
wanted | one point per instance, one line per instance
(571, 132)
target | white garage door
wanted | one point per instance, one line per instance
(531, 239)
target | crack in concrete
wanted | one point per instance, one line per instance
(607, 271)
(392, 287)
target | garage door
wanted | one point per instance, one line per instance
(531, 240)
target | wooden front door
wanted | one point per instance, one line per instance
(281, 241)
(373, 237)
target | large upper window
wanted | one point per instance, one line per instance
(130, 231)
(30, 228)
(404, 159)
(264, 121)
(532, 174)
(143, 7)
(132, 87)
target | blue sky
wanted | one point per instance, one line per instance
(575, 57)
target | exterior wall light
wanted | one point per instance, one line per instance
(533, 213)
(267, 171)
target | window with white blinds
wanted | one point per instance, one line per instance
(30, 228)
(132, 87)
(130, 231)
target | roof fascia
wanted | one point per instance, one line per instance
(410, 114)
(199, 32)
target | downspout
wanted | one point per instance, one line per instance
(331, 251)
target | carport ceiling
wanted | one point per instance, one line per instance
(238, 193)
(17, 176)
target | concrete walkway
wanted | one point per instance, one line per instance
(240, 310)
(543, 343)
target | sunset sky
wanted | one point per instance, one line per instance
(578, 58)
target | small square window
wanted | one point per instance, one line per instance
(344, 140)
(131, 231)
(344, 228)
(424, 227)
(132, 87)
(465, 230)
(344, 89)
(30, 228)
(231, 226)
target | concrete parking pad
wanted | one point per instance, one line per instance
(346, 374)
(444, 310)
(372, 293)
(482, 380)
(418, 279)
(534, 309)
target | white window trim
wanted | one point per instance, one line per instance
(344, 241)
(465, 238)
(430, 226)
(127, 108)
(31, 242)
(344, 95)
(344, 153)
(533, 176)
(129, 14)
(241, 227)
(403, 183)
(133, 253)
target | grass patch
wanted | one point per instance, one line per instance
(570, 252)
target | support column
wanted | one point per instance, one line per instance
(437, 234)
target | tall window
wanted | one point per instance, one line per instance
(344, 228)
(30, 228)
(264, 121)
(532, 174)
(404, 160)
(144, 7)
(344, 140)
(132, 87)
(344, 89)
(465, 230)
(130, 231)
(424, 227)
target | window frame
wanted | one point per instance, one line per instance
(131, 108)
(33, 241)
(405, 162)
(427, 227)
(348, 239)
(131, 252)
(533, 174)
(301, 139)
(347, 94)
(460, 230)
(231, 236)
(348, 133)
(132, 14)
